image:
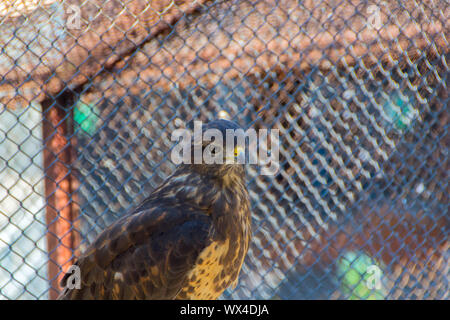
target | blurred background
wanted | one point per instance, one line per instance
(90, 92)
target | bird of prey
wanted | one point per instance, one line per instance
(187, 240)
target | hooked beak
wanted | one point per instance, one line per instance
(238, 156)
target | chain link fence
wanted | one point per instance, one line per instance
(90, 92)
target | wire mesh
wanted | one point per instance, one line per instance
(90, 92)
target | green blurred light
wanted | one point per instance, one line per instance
(400, 111)
(86, 117)
(352, 272)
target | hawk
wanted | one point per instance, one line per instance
(187, 240)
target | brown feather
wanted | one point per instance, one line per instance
(187, 240)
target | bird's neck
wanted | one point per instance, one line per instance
(187, 188)
(227, 201)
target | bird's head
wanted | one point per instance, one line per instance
(222, 154)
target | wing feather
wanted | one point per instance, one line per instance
(145, 255)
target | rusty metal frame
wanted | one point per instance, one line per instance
(60, 184)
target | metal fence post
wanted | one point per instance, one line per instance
(59, 185)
